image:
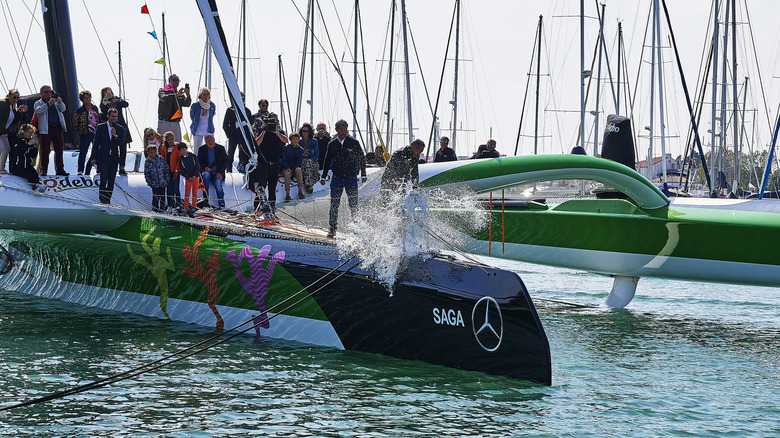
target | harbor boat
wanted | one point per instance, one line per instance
(634, 232)
(286, 280)
(220, 269)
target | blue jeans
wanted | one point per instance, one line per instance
(174, 192)
(208, 179)
(338, 185)
(84, 142)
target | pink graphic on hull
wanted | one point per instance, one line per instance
(259, 278)
(206, 273)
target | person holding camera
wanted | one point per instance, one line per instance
(169, 108)
(11, 115)
(345, 156)
(260, 116)
(51, 125)
(108, 101)
(270, 144)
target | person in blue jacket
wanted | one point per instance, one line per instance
(213, 162)
(292, 161)
(202, 115)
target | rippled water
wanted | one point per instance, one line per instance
(686, 359)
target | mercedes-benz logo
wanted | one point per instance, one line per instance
(491, 331)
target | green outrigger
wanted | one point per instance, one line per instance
(641, 233)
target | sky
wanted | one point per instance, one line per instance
(496, 45)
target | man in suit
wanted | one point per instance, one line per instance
(109, 138)
(213, 162)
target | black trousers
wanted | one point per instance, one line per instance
(107, 178)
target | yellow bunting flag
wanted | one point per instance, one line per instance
(160, 61)
(186, 137)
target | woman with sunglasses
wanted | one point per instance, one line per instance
(152, 137)
(202, 116)
(11, 115)
(311, 156)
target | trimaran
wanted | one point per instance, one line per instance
(290, 280)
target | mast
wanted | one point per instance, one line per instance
(742, 132)
(714, 97)
(735, 93)
(121, 78)
(660, 89)
(455, 92)
(406, 63)
(390, 75)
(208, 63)
(354, 74)
(619, 51)
(164, 46)
(59, 42)
(582, 71)
(281, 95)
(598, 84)
(724, 89)
(652, 99)
(311, 72)
(538, 74)
(243, 35)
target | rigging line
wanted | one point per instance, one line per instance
(341, 76)
(441, 83)
(758, 69)
(419, 64)
(527, 83)
(552, 89)
(331, 60)
(369, 132)
(24, 48)
(639, 66)
(16, 51)
(159, 363)
(287, 98)
(100, 40)
(465, 254)
(303, 65)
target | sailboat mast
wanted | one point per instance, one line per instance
(390, 75)
(652, 99)
(354, 74)
(598, 83)
(208, 63)
(538, 74)
(243, 36)
(735, 119)
(723, 91)
(406, 63)
(121, 78)
(281, 95)
(660, 88)
(311, 71)
(714, 95)
(164, 46)
(619, 57)
(582, 71)
(455, 86)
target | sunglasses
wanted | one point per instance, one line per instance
(444, 142)
(341, 124)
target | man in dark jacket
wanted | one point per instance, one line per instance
(403, 167)
(169, 108)
(345, 156)
(323, 139)
(445, 153)
(270, 143)
(109, 138)
(213, 161)
(489, 151)
(234, 137)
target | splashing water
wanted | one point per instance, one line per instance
(391, 227)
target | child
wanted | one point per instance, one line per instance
(157, 174)
(189, 169)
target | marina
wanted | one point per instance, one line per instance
(580, 292)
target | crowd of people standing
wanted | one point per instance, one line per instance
(304, 157)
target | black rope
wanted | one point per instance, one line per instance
(159, 363)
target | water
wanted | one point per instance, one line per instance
(686, 359)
